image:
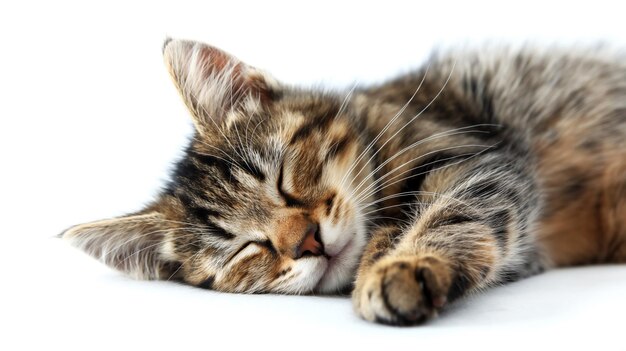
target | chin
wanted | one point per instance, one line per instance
(341, 269)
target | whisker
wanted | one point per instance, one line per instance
(182, 264)
(257, 125)
(233, 161)
(389, 173)
(136, 252)
(380, 187)
(344, 103)
(409, 122)
(212, 155)
(415, 192)
(243, 149)
(380, 134)
(374, 218)
(409, 170)
(414, 203)
(447, 133)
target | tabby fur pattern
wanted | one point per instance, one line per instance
(480, 168)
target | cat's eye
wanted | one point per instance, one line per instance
(241, 248)
(265, 243)
(289, 199)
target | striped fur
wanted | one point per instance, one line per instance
(479, 169)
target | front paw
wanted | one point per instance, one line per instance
(403, 290)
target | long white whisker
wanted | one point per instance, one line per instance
(344, 103)
(371, 219)
(241, 146)
(415, 192)
(409, 204)
(184, 263)
(233, 161)
(380, 134)
(418, 166)
(446, 133)
(223, 159)
(381, 187)
(409, 122)
(410, 169)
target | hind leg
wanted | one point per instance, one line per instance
(584, 217)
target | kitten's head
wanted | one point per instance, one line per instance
(265, 199)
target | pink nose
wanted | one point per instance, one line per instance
(311, 244)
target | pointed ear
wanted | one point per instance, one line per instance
(136, 244)
(214, 83)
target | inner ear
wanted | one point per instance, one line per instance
(214, 83)
(135, 244)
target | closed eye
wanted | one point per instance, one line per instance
(289, 199)
(267, 244)
(243, 247)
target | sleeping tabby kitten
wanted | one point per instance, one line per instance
(478, 169)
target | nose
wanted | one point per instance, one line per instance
(311, 244)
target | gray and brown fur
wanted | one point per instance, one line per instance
(481, 168)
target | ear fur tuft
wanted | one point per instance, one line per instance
(213, 83)
(135, 244)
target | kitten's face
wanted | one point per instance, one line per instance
(268, 201)
(266, 198)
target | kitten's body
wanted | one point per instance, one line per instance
(478, 169)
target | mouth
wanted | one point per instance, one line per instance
(335, 265)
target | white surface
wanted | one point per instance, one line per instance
(91, 124)
(67, 300)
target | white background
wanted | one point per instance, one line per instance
(91, 124)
